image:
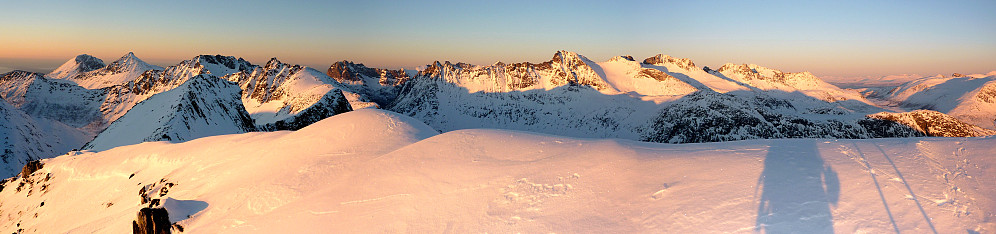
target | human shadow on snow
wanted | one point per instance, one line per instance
(797, 189)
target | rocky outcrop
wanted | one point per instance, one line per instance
(152, 221)
(30, 167)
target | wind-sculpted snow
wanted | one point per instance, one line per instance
(377, 171)
(203, 106)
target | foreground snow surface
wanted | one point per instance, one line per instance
(376, 171)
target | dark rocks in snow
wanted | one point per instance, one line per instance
(152, 221)
(31, 167)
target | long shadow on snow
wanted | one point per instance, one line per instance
(798, 189)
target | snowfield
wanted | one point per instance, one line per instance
(376, 171)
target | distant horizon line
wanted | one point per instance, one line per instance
(47, 65)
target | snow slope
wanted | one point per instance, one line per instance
(376, 171)
(74, 67)
(53, 99)
(24, 138)
(204, 105)
(969, 98)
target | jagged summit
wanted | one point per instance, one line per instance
(78, 65)
(220, 65)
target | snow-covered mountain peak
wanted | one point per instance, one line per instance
(568, 58)
(220, 65)
(18, 75)
(274, 63)
(351, 73)
(749, 72)
(203, 105)
(622, 58)
(80, 64)
(126, 69)
(344, 70)
(130, 61)
(662, 60)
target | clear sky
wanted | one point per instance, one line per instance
(828, 38)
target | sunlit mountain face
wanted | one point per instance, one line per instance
(498, 117)
(505, 146)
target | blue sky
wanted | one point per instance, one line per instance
(828, 38)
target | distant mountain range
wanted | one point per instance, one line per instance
(657, 99)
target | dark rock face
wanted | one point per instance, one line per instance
(88, 63)
(151, 221)
(30, 167)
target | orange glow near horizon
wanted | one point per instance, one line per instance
(839, 39)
